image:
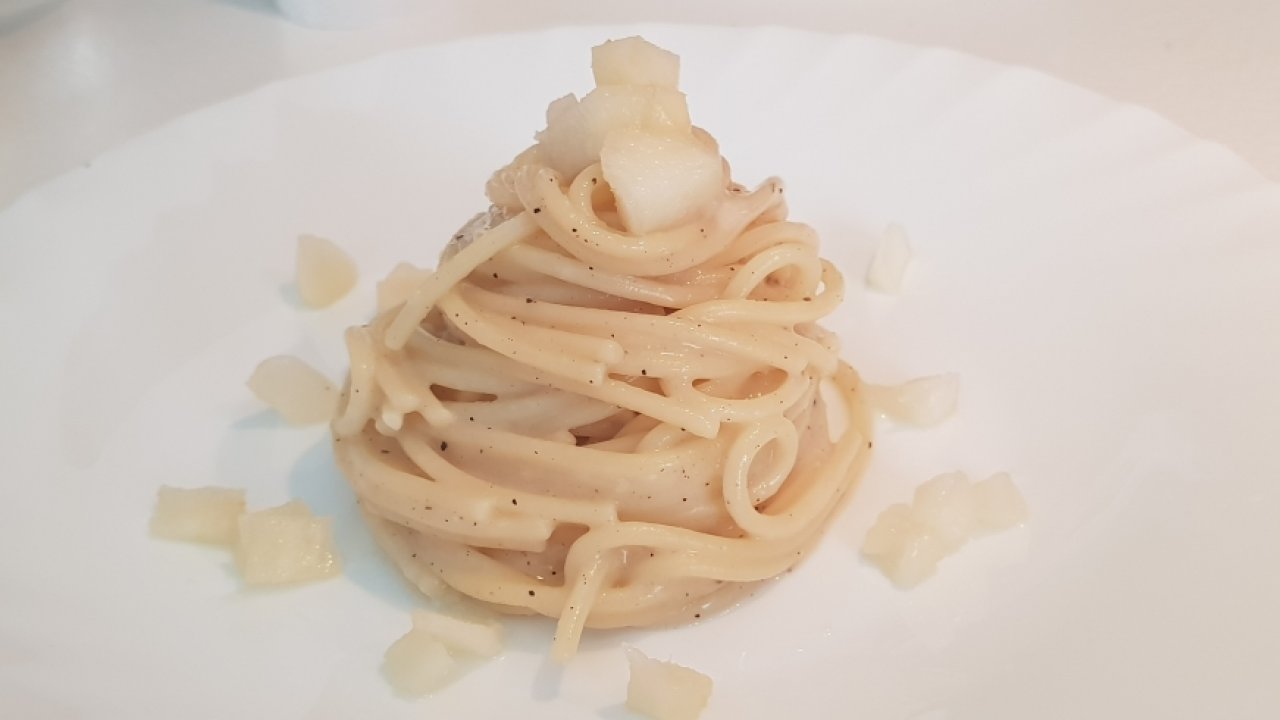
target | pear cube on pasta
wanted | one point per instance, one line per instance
(560, 106)
(294, 389)
(474, 638)
(286, 545)
(418, 664)
(205, 515)
(325, 272)
(573, 139)
(664, 690)
(634, 61)
(501, 188)
(659, 178)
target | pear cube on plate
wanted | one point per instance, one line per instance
(294, 389)
(947, 506)
(664, 690)
(915, 560)
(286, 545)
(999, 503)
(890, 531)
(473, 638)
(324, 273)
(418, 664)
(634, 61)
(204, 515)
(902, 547)
(922, 402)
(399, 284)
(908, 541)
(292, 508)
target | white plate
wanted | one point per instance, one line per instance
(1104, 283)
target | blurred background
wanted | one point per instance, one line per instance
(80, 76)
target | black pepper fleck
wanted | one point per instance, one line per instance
(443, 446)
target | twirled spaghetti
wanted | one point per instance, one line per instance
(608, 427)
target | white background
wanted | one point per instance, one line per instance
(80, 76)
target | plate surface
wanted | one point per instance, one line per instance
(1104, 283)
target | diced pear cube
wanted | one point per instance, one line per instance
(915, 561)
(560, 106)
(281, 546)
(292, 508)
(908, 541)
(418, 664)
(659, 178)
(474, 638)
(205, 515)
(294, 389)
(573, 138)
(947, 506)
(664, 690)
(923, 401)
(903, 547)
(399, 284)
(890, 531)
(634, 61)
(999, 504)
(325, 272)
(501, 188)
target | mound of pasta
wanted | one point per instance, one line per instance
(611, 403)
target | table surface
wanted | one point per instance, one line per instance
(78, 77)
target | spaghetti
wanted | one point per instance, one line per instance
(606, 427)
